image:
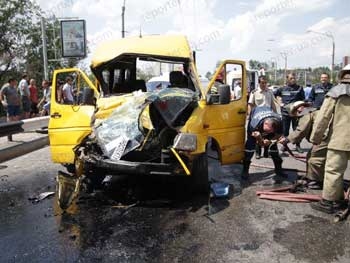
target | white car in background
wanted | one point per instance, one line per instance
(204, 81)
(158, 83)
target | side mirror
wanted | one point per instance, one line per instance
(224, 94)
(88, 97)
(212, 99)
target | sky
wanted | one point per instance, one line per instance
(265, 30)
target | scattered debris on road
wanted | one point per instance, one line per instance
(42, 196)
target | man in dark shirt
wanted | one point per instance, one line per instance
(319, 91)
(264, 128)
(11, 100)
(288, 94)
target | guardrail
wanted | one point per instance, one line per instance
(9, 128)
(27, 125)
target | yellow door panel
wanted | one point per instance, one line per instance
(69, 123)
(223, 120)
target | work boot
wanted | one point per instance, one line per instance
(278, 169)
(315, 185)
(298, 148)
(257, 152)
(245, 172)
(280, 176)
(266, 152)
(329, 207)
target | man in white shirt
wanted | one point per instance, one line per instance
(237, 91)
(67, 91)
(45, 100)
(262, 96)
(23, 88)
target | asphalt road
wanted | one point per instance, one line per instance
(167, 224)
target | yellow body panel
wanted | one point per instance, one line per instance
(165, 46)
(63, 152)
(69, 124)
(107, 105)
(224, 123)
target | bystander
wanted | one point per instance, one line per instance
(23, 88)
(292, 92)
(320, 90)
(10, 100)
(33, 98)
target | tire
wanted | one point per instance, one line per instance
(200, 180)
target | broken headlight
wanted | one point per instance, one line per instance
(185, 142)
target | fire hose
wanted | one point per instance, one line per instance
(287, 194)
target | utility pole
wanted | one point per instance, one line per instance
(43, 38)
(275, 71)
(123, 26)
(285, 68)
(329, 35)
(333, 51)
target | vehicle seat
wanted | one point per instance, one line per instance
(138, 84)
(130, 86)
(177, 80)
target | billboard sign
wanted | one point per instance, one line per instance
(73, 38)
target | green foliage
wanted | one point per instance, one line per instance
(208, 75)
(218, 63)
(142, 74)
(16, 23)
(21, 43)
(255, 64)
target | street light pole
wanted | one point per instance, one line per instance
(123, 26)
(284, 55)
(328, 34)
(285, 67)
(43, 39)
(274, 61)
(333, 54)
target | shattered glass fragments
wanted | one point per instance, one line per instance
(119, 133)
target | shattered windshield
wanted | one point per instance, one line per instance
(120, 133)
(171, 102)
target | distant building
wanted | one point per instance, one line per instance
(346, 60)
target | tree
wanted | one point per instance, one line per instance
(143, 74)
(218, 63)
(16, 23)
(254, 64)
(208, 75)
(21, 44)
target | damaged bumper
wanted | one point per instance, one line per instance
(136, 168)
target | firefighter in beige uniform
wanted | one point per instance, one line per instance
(335, 116)
(316, 156)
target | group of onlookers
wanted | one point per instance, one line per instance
(320, 114)
(22, 100)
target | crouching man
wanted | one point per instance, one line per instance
(264, 128)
